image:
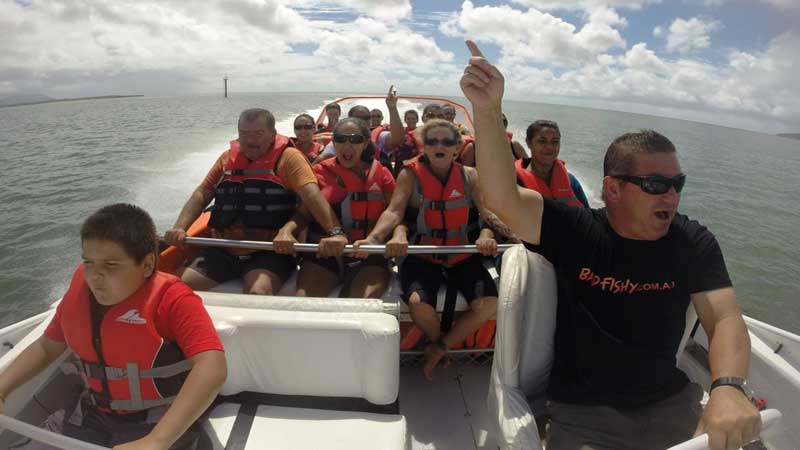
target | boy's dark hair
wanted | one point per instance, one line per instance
(411, 111)
(335, 106)
(127, 225)
(619, 156)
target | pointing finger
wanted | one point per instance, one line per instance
(473, 48)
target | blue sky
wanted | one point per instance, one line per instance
(729, 62)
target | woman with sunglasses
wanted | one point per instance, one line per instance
(358, 188)
(304, 132)
(543, 171)
(441, 201)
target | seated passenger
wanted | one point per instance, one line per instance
(395, 126)
(449, 112)
(359, 188)
(255, 186)
(440, 200)
(543, 171)
(171, 330)
(375, 118)
(467, 155)
(332, 113)
(304, 132)
(410, 118)
(614, 381)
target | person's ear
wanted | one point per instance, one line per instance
(149, 264)
(612, 189)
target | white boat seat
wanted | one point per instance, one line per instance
(281, 428)
(307, 380)
(310, 353)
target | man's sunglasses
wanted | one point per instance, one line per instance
(353, 138)
(304, 127)
(447, 142)
(655, 184)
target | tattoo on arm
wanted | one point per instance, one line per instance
(499, 227)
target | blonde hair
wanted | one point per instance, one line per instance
(439, 123)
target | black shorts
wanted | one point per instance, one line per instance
(346, 265)
(221, 266)
(424, 277)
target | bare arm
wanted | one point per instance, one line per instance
(492, 221)
(395, 122)
(199, 199)
(730, 419)
(316, 204)
(467, 156)
(519, 208)
(209, 371)
(519, 152)
(35, 358)
(393, 215)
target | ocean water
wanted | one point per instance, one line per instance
(62, 161)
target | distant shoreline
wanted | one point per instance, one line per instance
(790, 135)
(58, 100)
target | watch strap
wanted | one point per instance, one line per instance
(736, 382)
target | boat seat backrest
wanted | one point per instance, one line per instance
(291, 303)
(328, 354)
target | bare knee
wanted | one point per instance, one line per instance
(485, 306)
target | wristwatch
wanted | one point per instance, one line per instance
(335, 231)
(738, 383)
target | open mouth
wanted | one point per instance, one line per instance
(347, 157)
(662, 215)
(439, 154)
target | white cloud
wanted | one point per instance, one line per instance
(584, 5)
(387, 10)
(537, 36)
(684, 35)
(757, 85)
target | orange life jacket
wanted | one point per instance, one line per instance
(559, 188)
(358, 203)
(252, 191)
(446, 215)
(122, 377)
(312, 153)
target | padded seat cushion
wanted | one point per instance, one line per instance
(325, 354)
(280, 428)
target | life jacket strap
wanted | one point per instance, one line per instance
(365, 196)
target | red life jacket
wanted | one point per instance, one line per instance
(109, 362)
(252, 191)
(559, 188)
(446, 215)
(312, 153)
(376, 132)
(359, 202)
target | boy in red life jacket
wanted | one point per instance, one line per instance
(358, 187)
(440, 199)
(116, 298)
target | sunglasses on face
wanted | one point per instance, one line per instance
(655, 184)
(304, 127)
(446, 142)
(353, 138)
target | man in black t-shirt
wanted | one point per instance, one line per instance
(626, 275)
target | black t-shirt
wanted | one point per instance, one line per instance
(622, 304)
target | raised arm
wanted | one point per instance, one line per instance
(395, 121)
(730, 419)
(519, 208)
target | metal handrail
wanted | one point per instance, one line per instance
(46, 436)
(312, 248)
